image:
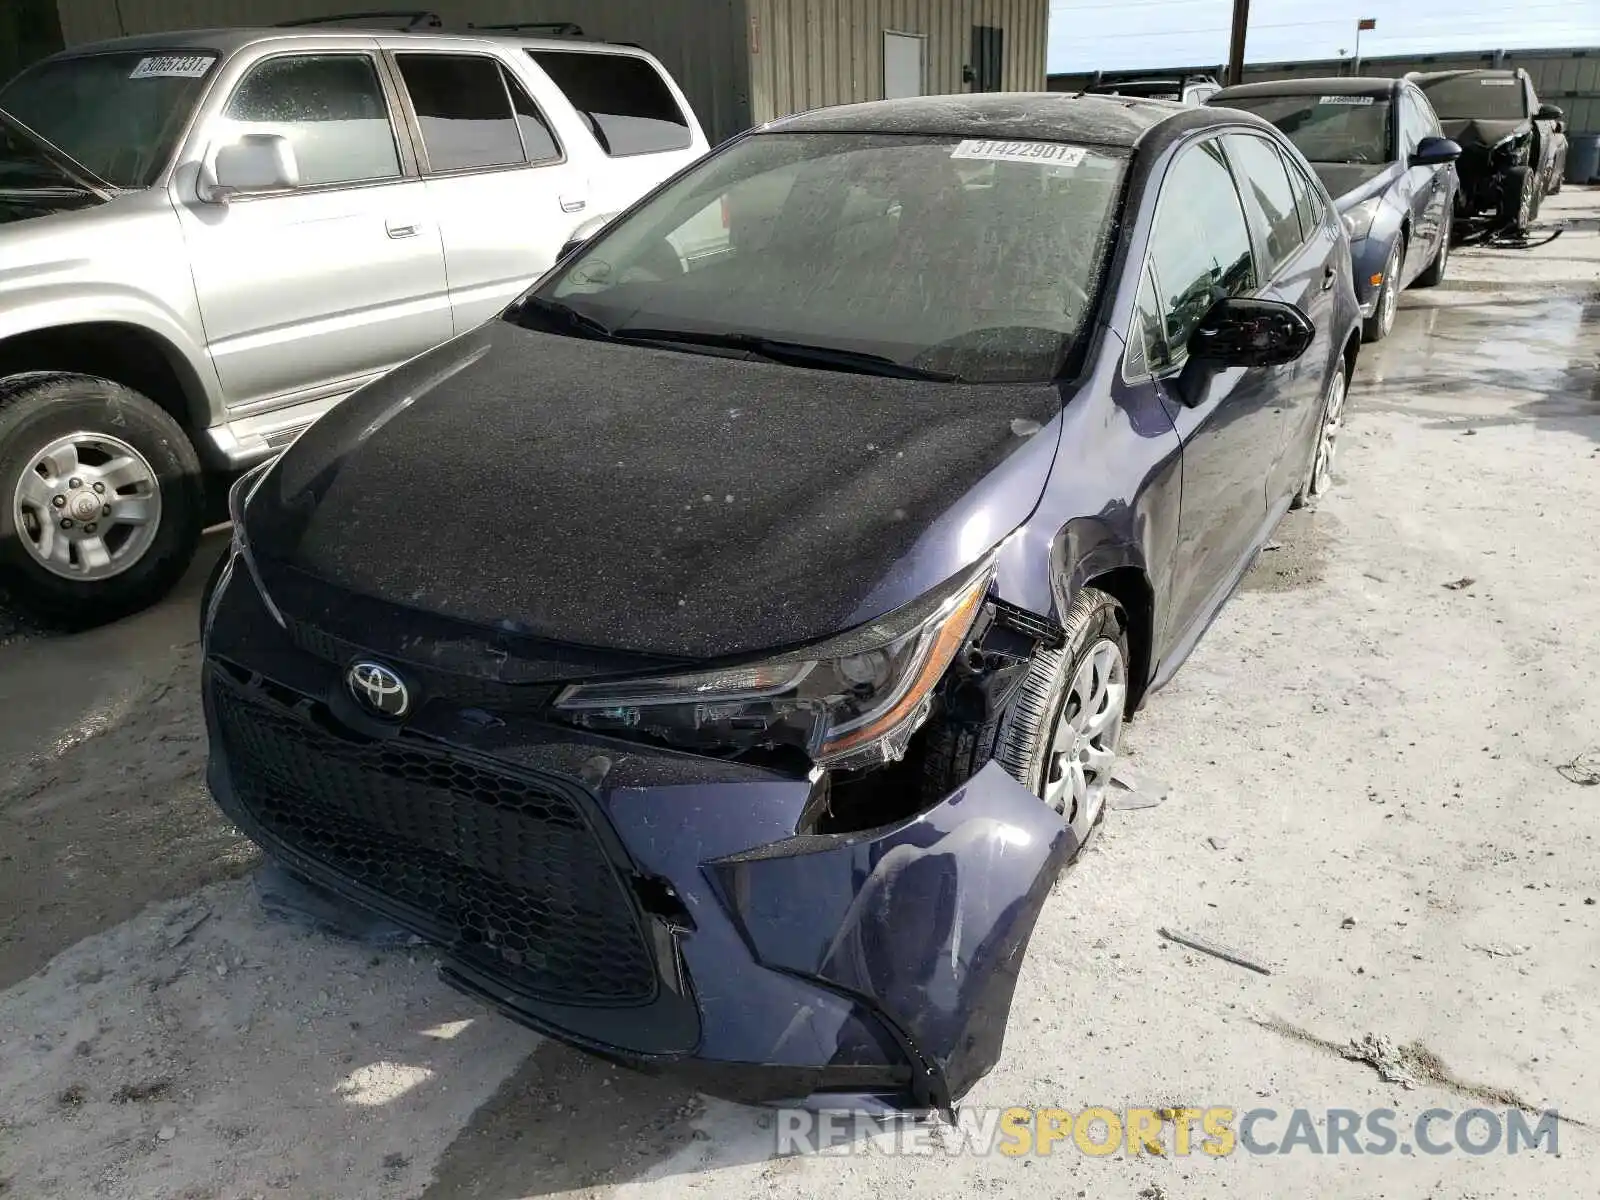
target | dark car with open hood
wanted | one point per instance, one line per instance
(1513, 147)
(718, 655)
(1378, 147)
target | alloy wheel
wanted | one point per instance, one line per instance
(87, 506)
(1389, 300)
(1084, 747)
(1328, 435)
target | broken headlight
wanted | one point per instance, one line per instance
(851, 701)
(1358, 220)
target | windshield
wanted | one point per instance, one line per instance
(117, 114)
(972, 259)
(1476, 98)
(1327, 129)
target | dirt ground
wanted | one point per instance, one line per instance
(1365, 798)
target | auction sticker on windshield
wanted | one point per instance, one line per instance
(173, 66)
(1050, 153)
(1345, 100)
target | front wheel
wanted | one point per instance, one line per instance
(101, 498)
(1434, 275)
(1061, 736)
(1376, 327)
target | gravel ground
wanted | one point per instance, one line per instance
(1365, 798)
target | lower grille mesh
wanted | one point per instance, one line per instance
(507, 870)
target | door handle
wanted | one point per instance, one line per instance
(401, 231)
(572, 206)
(1328, 276)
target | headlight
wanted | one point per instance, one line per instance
(1358, 220)
(851, 701)
(238, 503)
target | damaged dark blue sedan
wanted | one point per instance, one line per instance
(719, 655)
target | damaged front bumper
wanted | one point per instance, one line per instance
(657, 909)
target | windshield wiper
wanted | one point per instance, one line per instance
(566, 318)
(792, 353)
(74, 170)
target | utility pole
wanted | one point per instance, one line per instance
(1364, 23)
(1241, 21)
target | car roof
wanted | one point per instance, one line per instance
(1334, 85)
(1422, 77)
(227, 40)
(1016, 116)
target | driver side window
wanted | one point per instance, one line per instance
(1199, 253)
(330, 107)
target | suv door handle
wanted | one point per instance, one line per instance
(1328, 276)
(401, 231)
(572, 205)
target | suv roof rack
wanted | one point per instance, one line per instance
(552, 28)
(414, 18)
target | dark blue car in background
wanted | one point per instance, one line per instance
(1377, 145)
(719, 656)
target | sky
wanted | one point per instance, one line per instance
(1086, 35)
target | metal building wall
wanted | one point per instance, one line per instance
(1568, 78)
(700, 41)
(808, 53)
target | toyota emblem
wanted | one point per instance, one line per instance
(379, 690)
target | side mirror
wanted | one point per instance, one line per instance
(257, 162)
(1433, 152)
(583, 233)
(1250, 333)
(1548, 112)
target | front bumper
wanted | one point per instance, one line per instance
(700, 932)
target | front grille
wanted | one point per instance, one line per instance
(504, 871)
(466, 691)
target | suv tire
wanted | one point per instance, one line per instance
(86, 440)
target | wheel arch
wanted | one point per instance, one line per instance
(124, 352)
(1089, 553)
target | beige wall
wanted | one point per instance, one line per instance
(700, 41)
(807, 53)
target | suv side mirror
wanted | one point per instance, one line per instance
(1434, 151)
(1239, 332)
(257, 162)
(1548, 112)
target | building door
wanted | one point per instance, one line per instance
(904, 60)
(988, 57)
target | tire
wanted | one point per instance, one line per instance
(1376, 327)
(1517, 202)
(1023, 739)
(1434, 275)
(1319, 474)
(64, 430)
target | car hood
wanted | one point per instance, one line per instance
(1351, 183)
(683, 505)
(1468, 133)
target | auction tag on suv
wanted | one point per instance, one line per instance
(1345, 100)
(1052, 154)
(173, 66)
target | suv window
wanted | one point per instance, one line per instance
(1430, 119)
(1147, 345)
(1264, 178)
(463, 109)
(628, 106)
(1200, 246)
(330, 107)
(1413, 126)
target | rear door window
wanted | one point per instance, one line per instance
(331, 109)
(463, 111)
(1264, 180)
(624, 100)
(1307, 200)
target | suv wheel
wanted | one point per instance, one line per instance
(101, 498)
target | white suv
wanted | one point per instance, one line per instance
(210, 238)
